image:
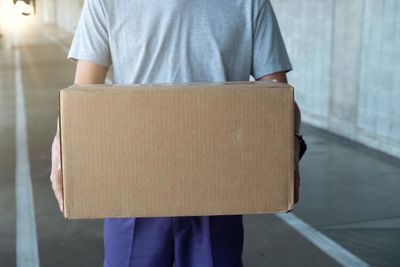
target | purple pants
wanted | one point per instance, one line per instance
(199, 241)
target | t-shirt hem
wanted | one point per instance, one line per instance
(268, 70)
(86, 57)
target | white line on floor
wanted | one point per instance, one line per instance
(26, 244)
(327, 245)
(61, 45)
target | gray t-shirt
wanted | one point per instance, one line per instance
(170, 41)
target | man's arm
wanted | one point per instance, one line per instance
(86, 73)
(89, 73)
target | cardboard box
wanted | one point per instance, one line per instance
(177, 149)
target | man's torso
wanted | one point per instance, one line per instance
(180, 40)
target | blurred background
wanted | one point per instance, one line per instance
(346, 58)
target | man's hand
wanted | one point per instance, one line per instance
(56, 175)
(86, 73)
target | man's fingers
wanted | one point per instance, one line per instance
(56, 174)
(56, 185)
(59, 196)
(60, 201)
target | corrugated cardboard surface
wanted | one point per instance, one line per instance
(177, 149)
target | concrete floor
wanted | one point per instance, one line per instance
(348, 192)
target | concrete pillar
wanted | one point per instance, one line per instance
(379, 98)
(67, 14)
(345, 70)
(307, 30)
(46, 11)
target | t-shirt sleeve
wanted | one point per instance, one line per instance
(269, 51)
(91, 40)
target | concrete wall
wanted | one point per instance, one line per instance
(346, 66)
(345, 55)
